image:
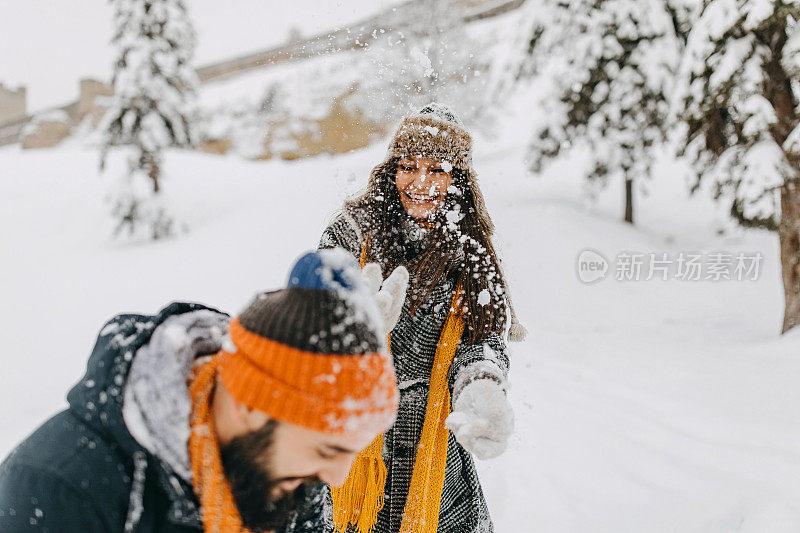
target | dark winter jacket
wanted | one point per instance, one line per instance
(83, 470)
(413, 345)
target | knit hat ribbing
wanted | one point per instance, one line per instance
(310, 354)
(435, 132)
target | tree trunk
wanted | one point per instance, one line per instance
(629, 201)
(789, 233)
(778, 90)
(153, 170)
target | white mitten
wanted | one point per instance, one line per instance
(389, 294)
(482, 419)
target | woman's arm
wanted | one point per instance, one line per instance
(343, 232)
(389, 294)
(479, 361)
(482, 419)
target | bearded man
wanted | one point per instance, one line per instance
(189, 421)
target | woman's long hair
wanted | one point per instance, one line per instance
(458, 242)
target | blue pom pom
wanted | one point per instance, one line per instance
(325, 269)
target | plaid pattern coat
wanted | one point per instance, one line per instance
(413, 345)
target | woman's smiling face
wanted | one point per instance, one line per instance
(422, 184)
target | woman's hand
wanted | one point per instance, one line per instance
(482, 419)
(390, 294)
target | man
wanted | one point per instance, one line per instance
(189, 421)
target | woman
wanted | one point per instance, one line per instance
(423, 209)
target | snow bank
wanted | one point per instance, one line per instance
(653, 406)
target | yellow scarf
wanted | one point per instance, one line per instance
(358, 501)
(217, 507)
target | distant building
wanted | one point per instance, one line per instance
(93, 101)
(13, 103)
(49, 127)
(46, 130)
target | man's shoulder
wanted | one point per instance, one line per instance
(63, 462)
(66, 448)
(63, 468)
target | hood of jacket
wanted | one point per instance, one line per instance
(134, 393)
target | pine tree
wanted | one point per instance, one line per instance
(153, 81)
(612, 64)
(741, 112)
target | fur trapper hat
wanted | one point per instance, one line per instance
(437, 133)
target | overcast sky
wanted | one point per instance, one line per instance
(48, 45)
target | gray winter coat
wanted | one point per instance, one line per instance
(413, 345)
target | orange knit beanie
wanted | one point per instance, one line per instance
(314, 354)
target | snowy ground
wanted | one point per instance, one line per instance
(642, 406)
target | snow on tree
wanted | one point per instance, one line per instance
(251, 127)
(153, 82)
(742, 71)
(611, 66)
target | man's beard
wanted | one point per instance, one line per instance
(243, 460)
